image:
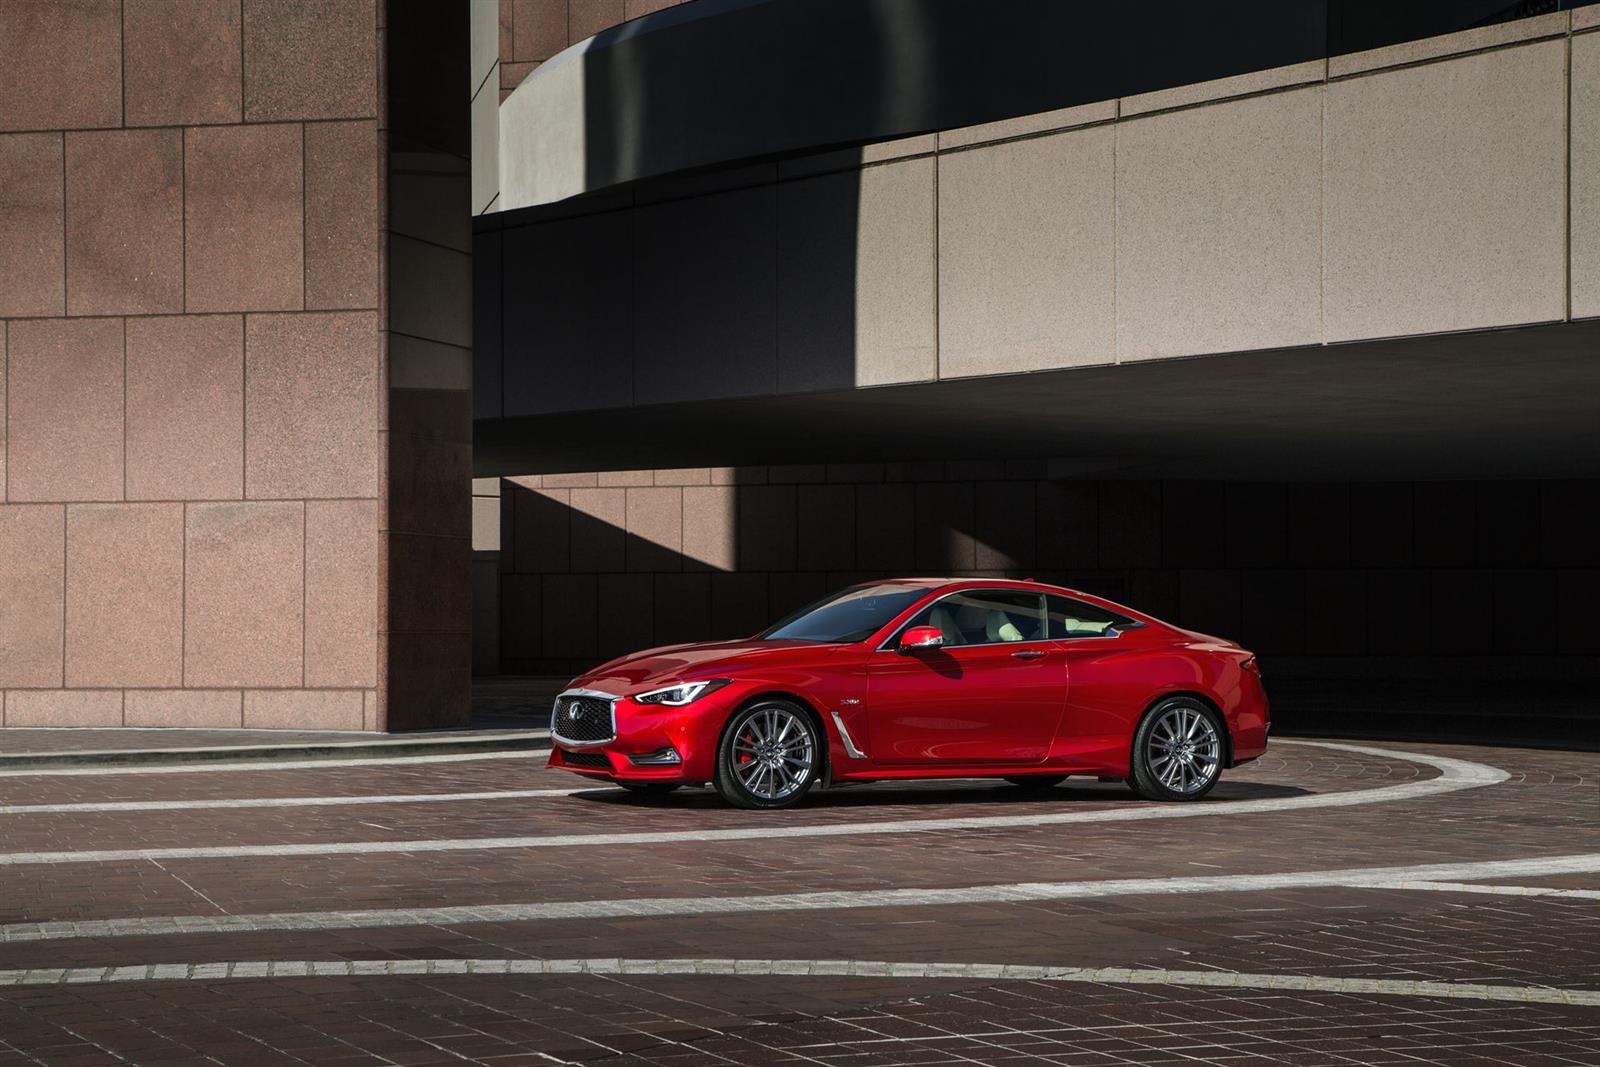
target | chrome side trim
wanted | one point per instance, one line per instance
(610, 698)
(849, 744)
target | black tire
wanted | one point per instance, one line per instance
(1178, 750)
(651, 789)
(1036, 781)
(780, 736)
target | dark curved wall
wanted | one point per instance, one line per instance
(723, 79)
(717, 80)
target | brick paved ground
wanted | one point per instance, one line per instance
(1330, 971)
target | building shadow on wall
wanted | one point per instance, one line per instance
(590, 570)
(718, 287)
(595, 565)
(1346, 590)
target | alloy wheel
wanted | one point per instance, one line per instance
(1184, 751)
(774, 752)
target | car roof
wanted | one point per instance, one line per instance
(979, 583)
(949, 584)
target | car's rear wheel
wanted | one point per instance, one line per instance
(1037, 781)
(1177, 751)
(769, 756)
(650, 789)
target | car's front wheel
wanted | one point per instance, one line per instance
(769, 756)
(1177, 751)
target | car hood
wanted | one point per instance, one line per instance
(710, 659)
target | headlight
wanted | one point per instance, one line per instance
(676, 696)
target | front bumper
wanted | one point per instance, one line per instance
(599, 763)
(644, 737)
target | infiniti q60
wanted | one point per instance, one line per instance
(922, 678)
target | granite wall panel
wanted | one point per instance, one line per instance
(64, 428)
(60, 64)
(192, 198)
(185, 407)
(32, 242)
(182, 61)
(124, 612)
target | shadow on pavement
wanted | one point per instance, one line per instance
(999, 794)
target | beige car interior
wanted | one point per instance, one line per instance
(946, 622)
(967, 621)
(1000, 628)
(962, 620)
(1070, 626)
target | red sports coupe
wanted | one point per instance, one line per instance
(922, 678)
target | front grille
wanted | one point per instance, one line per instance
(581, 719)
(585, 759)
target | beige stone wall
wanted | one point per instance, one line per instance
(531, 31)
(190, 280)
(1584, 209)
(1415, 189)
(510, 39)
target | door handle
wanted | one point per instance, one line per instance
(1027, 653)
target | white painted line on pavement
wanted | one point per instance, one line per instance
(827, 900)
(270, 765)
(1494, 890)
(986, 972)
(889, 788)
(1454, 775)
(290, 802)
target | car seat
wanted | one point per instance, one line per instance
(999, 627)
(940, 616)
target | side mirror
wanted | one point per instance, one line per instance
(921, 639)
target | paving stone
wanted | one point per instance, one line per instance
(1283, 976)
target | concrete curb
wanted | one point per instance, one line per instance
(386, 748)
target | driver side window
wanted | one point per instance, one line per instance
(985, 618)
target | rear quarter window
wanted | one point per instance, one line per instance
(1066, 618)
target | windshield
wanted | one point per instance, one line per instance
(853, 615)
